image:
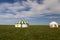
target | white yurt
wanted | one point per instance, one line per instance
(21, 24)
(53, 24)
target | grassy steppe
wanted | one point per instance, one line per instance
(33, 32)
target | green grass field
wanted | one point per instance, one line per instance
(33, 32)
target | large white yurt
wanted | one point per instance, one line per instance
(21, 24)
(53, 24)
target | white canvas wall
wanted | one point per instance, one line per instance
(24, 25)
(17, 25)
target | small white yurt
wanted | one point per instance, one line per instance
(53, 24)
(21, 24)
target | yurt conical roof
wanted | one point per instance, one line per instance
(21, 22)
(53, 22)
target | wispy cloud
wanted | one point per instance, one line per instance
(29, 10)
(7, 10)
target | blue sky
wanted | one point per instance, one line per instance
(35, 12)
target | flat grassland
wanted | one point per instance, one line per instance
(33, 32)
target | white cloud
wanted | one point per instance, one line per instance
(36, 10)
(52, 17)
(7, 16)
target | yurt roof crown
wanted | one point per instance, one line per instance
(53, 22)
